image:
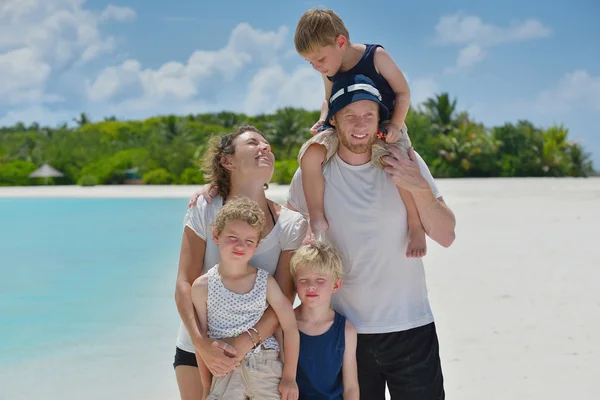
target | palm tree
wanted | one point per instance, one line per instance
(441, 111)
(580, 163)
(285, 131)
(173, 127)
(82, 120)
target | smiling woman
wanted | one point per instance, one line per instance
(240, 163)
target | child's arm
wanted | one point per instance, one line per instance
(349, 368)
(291, 343)
(199, 297)
(324, 106)
(313, 182)
(386, 66)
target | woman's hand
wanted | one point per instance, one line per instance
(219, 356)
(242, 344)
(208, 191)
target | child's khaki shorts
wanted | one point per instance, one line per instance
(330, 140)
(257, 377)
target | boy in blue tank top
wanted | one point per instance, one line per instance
(322, 39)
(327, 368)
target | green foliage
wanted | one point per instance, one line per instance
(87, 180)
(284, 171)
(167, 149)
(16, 173)
(158, 176)
(191, 176)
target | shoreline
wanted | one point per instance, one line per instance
(185, 191)
(115, 191)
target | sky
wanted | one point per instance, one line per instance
(503, 60)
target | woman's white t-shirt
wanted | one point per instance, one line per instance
(287, 234)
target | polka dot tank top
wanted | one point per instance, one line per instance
(231, 314)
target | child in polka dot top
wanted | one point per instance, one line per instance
(232, 297)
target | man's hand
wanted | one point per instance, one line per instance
(216, 356)
(208, 191)
(405, 171)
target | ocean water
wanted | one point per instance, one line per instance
(85, 279)
(87, 307)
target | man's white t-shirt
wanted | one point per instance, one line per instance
(383, 290)
(287, 234)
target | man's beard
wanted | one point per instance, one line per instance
(357, 148)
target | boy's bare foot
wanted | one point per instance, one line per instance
(417, 243)
(318, 226)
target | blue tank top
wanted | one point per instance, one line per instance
(319, 374)
(366, 66)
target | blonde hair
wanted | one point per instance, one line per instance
(241, 209)
(218, 147)
(319, 257)
(318, 28)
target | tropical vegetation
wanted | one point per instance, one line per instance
(167, 149)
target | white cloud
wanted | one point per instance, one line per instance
(113, 79)
(246, 75)
(117, 13)
(22, 76)
(176, 81)
(463, 29)
(272, 88)
(41, 36)
(39, 114)
(470, 30)
(421, 89)
(467, 58)
(577, 90)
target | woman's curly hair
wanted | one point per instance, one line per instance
(218, 147)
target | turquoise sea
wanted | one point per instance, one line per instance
(87, 304)
(86, 276)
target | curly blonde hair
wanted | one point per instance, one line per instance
(319, 257)
(241, 209)
(218, 147)
(318, 28)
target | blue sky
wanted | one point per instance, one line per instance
(503, 61)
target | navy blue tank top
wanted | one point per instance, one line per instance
(366, 66)
(319, 374)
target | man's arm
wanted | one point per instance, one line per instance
(437, 218)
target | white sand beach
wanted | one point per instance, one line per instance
(515, 298)
(113, 191)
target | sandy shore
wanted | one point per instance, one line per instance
(516, 300)
(112, 191)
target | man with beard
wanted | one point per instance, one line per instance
(384, 293)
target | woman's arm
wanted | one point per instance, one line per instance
(191, 262)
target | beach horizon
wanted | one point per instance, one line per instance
(185, 191)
